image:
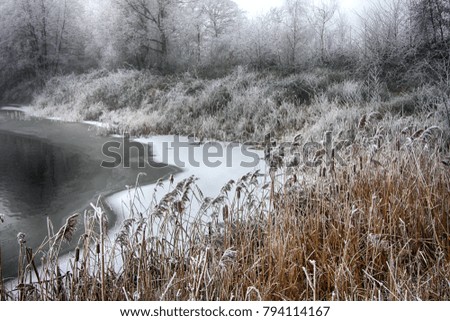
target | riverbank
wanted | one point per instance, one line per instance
(242, 106)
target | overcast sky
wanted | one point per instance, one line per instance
(254, 7)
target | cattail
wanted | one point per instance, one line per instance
(179, 206)
(77, 254)
(97, 249)
(209, 229)
(225, 213)
(238, 192)
(328, 138)
(332, 167)
(267, 147)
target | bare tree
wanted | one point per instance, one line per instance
(149, 19)
(322, 15)
(262, 45)
(384, 28)
(432, 20)
(343, 34)
(294, 15)
(220, 15)
(43, 34)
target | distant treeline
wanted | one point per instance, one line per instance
(405, 41)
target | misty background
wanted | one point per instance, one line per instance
(43, 38)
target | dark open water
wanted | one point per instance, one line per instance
(51, 169)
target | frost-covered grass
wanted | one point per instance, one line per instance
(244, 105)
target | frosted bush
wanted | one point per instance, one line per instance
(331, 117)
(345, 93)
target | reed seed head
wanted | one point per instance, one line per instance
(21, 238)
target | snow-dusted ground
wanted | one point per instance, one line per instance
(14, 108)
(235, 160)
